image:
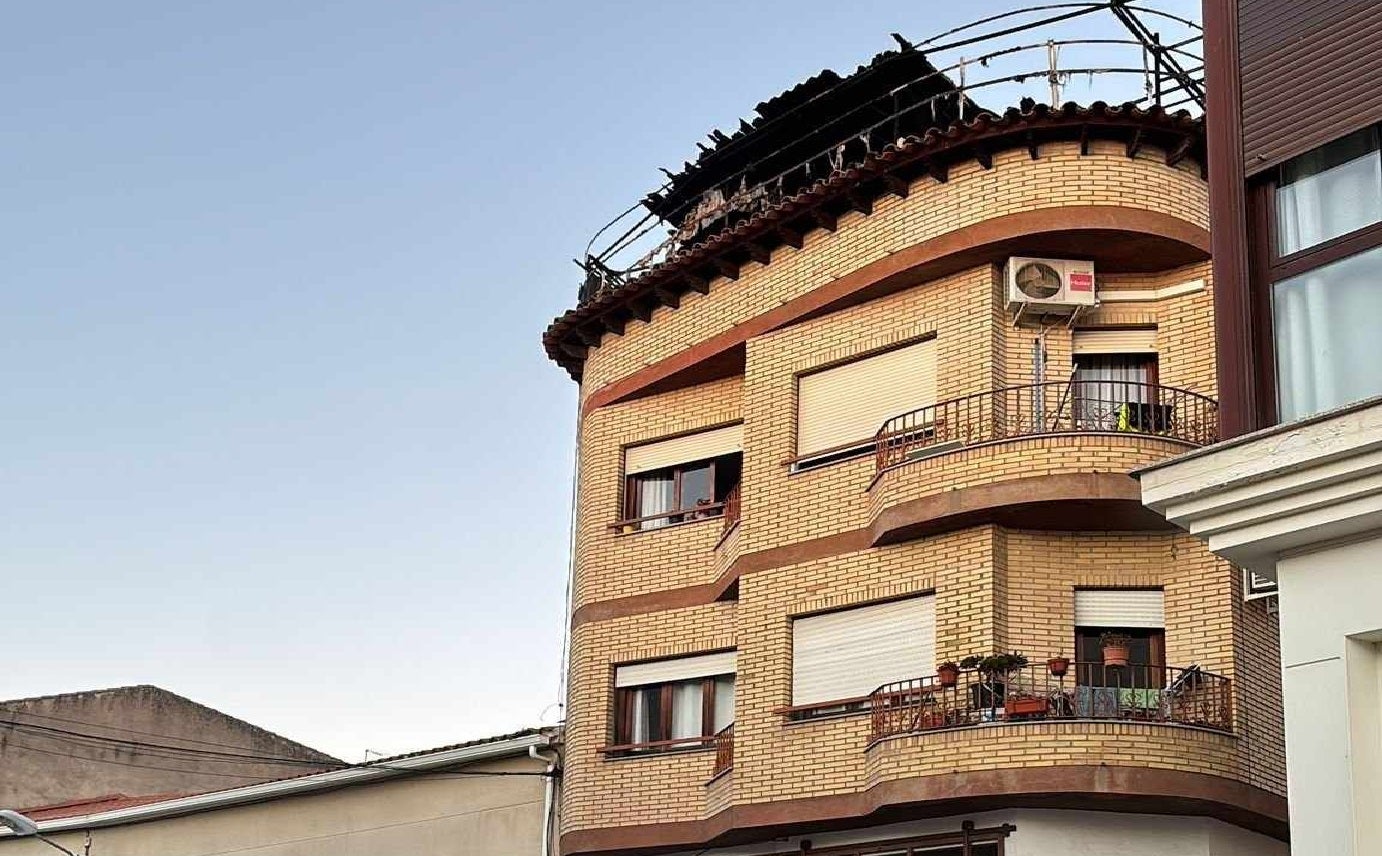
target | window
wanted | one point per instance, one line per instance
(673, 704)
(681, 479)
(1329, 192)
(1326, 335)
(1138, 614)
(1325, 276)
(840, 409)
(838, 658)
(1113, 389)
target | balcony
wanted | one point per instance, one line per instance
(724, 751)
(1054, 408)
(1084, 691)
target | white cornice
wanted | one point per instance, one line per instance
(301, 785)
(1145, 295)
(1287, 488)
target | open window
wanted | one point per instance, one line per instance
(681, 479)
(673, 704)
(1135, 615)
(1115, 377)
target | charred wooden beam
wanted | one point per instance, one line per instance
(614, 322)
(575, 350)
(824, 219)
(642, 308)
(758, 252)
(1084, 139)
(791, 237)
(861, 202)
(1180, 152)
(937, 170)
(1032, 147)
(667, 296)
(696, 282)
(896, 184)
(1135, 144)
(588, 336)
(728, 269)
(983, 156)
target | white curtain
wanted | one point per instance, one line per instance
(1104, 383)
(1329, 201)
(1327, 348)
(686, 709)
(639, 714)
(656, 495)
(724, 702)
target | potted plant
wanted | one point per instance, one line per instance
(1058, 666)
(948, 673)
(994, 668)
(1115, 648)
(1024, 704)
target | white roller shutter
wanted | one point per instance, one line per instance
(851, 653)
(1120, 608)
(679, 669)
(683, 450)
(848, 403)
(1141, 340)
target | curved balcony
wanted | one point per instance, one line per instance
(1052, 408)
(1086, 691)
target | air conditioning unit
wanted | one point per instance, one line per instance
(1054, 286)
(1255, 586)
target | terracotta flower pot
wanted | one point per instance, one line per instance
(1058, 666)
(1024, 706)
(948, 676)
(1116, 655)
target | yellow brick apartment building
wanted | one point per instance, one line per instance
(860, 567)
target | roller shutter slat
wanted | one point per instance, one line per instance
(679, 669)
(851, 653)
(683, 450)
(1120, 608)
(1135, 341)
(847, 404)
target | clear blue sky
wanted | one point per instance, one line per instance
(279, 434)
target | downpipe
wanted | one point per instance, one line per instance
(549, 792)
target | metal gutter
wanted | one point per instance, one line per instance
(293, 787)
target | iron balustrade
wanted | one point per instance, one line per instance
(731, 508)
(724, 750)
(1057, 407)
(1087, 691)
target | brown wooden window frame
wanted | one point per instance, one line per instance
(1156, 643)
(661, 740)
(633, 487)
(1267, 267)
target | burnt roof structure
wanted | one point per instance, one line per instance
(808, 124)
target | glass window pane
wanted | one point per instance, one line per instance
(647, 715)
(1329, 192)
(696, 486)
(686, 709)
(724, 702)
(1326, 325)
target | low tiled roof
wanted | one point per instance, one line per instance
(569, 336)
(109, 802)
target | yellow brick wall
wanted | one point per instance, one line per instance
(995, 588)
(1060, 177)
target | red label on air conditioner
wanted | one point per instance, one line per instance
(1081, 280)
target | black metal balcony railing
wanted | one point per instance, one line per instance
(1049, 408)
(1185, 696)
(724, 750)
